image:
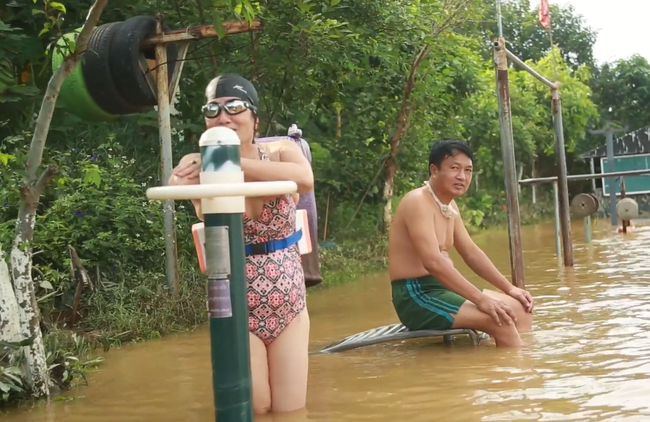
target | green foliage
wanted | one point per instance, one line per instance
(532, 119)
(94, 190)
(135, 306)
(338, 69)
(12, 73)
(68, 356)
(12, 383)
(623, 90)
(528, 40)
(350, 260)
(342, 62)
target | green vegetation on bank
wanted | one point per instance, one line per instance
(338, 69)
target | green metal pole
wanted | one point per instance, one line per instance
(587, 224)
(225, 263)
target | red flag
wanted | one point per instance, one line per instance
(544, 14)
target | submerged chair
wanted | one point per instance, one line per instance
(397, 332)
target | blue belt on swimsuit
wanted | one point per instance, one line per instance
(273, 245)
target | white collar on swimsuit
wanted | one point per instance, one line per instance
(447, 210)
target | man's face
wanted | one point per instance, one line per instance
(454, 175)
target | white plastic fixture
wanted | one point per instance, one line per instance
(219, 135)
(222, 190)
(228, 182)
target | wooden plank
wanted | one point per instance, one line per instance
(195, 33)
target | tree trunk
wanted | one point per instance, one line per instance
(31, 190)
(9, 317)
(400, 129)
(338, 123)
(457, 8)
(80, 274)
(391, 169)
(21, 264)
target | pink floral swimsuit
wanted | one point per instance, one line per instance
(276, 286)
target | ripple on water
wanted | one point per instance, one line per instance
(588, 358)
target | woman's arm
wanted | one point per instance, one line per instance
(188, 168)
(175, 180)
(197, 208)
(293, 166)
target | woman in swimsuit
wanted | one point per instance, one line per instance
(278, 320)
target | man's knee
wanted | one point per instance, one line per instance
(524, 319)
(470, 317)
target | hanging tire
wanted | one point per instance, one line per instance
(125, 53)
(74, 95)
(97, 73)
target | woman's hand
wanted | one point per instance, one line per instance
(189, 167)
(187, 173)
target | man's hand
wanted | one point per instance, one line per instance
(525, 298)
(497, 309)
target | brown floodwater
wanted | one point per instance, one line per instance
(588, 358)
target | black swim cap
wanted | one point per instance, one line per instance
(231, 85)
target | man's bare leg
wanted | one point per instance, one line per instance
(524, 319)
(470, 317)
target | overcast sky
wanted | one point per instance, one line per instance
(619, 24)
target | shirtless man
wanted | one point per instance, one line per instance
(427, 291)
(628, 229)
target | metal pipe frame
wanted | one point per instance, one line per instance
(508, 151)
(529, 69)
(556, 220)
(565, 216)
(609, 143)
(501, 55)
(577, 177)
(164, 128)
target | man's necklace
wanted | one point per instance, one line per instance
(446, 210)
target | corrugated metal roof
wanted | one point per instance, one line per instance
(633, 143)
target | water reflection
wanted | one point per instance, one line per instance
(588, 358)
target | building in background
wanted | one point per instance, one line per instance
(631, 152)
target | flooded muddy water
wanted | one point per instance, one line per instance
(588, 358)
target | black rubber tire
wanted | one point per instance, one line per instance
(97, 73)
(74, 95)
(124, 56)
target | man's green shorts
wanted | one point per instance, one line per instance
(423, 303)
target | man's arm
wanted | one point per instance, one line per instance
(476, 259)
(421, 229)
